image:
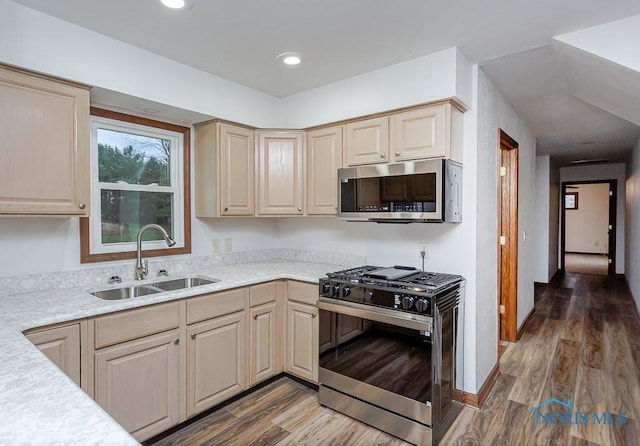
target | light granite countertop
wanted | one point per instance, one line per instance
(39, 404)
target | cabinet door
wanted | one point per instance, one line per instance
(237, 170)
(262, 344)
(215, 361)
(324, 158)
(302, 341)
(280, 173)
(44, 146)
(367, 142)
(62, 347)
(420, 133)
(138, 383)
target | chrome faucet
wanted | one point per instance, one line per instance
(142, 268)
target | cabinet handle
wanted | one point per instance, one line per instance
(397, 153)
(255, 317)
(177, 341)
(313, 315)
(382, 155)
(193, 336)
(82, 205)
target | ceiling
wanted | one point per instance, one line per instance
(512, 40)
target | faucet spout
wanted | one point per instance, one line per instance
(142, 268)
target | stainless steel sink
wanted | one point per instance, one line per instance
(126, 292)
(184, 282)
(153, 288)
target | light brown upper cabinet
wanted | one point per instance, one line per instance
(432, 131)
(224, 170)
(44, 145)
(280, 173)
(367, 142)
(428, 132)
(324, 158)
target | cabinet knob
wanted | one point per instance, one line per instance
(299, 209)
(397, 153)
(193, 336)
(82, 205)
(382, 155)
(255, 316)
(226, 209)
(313, 315)
(177, 341)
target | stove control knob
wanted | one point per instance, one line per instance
(326, 288)
(422, 305)
(335, 291)
(407, 302)
(346, 291)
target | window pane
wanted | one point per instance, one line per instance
(124, 212)
(133, 159)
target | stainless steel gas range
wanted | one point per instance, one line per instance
(390, 348)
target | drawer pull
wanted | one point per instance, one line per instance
(177, 341)
(193, 336)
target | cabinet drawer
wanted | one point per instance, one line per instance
(133, 324)
(214, 305)
(262, 294)
(302, 292)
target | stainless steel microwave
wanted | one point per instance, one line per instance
(414, 191)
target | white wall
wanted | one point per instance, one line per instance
(40, 42)
(554, 218)
(541, 229)
(588, 226)
(633, 224)
(419, 80)
(547, 214)
(494, 113)
(605, 172)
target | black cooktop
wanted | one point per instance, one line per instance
(396, 276)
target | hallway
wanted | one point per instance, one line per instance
(581, 344)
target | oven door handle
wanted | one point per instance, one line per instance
(391, 317)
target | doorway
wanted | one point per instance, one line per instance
(508, 239)
(588, 229)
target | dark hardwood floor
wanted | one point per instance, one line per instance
(581, 344)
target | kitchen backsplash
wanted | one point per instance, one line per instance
(97, 276)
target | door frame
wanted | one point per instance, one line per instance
(508, 156)
(613, 217)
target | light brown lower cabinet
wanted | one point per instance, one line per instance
(215, 361)
(62, 346)
(262, 343)
(155, 366)
(138, 383)
(302, 341)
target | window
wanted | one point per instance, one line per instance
(139, 175)
(571, 200)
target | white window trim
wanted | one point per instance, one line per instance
(176, 171)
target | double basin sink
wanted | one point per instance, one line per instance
(153, 288)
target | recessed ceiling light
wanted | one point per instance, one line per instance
(590, 161)
(147, 109)
(174, 4)
(289, 58)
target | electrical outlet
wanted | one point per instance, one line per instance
(227, 244)
(215, 245)
(423, 246)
